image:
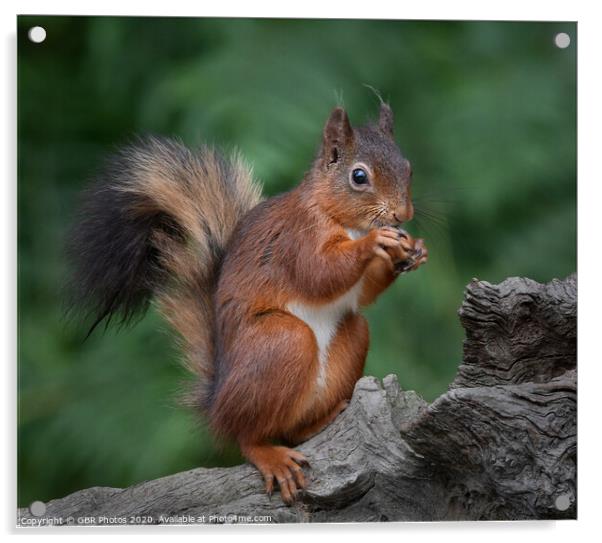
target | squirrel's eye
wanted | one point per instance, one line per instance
(359, 176)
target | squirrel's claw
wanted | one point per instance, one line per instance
(417, 254)
(269, 485)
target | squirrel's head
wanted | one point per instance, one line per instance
(360, 174)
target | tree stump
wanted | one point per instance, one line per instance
(499, 444)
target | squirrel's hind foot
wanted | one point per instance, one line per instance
(279, 463)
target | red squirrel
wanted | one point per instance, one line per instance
(264, 294)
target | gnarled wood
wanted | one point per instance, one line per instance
(500, 444)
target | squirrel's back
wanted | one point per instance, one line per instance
(154, 226)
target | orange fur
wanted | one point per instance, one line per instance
(264, 295)
(278, 374)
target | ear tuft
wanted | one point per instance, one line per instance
(385, 121)
(338, 135)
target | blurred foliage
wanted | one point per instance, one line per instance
(486, 112)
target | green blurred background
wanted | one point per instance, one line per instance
(486, 112)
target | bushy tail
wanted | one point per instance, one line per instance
(155, 227)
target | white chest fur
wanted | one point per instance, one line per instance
(355, 234)
(324, 320)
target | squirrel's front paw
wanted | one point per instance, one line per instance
(382, 242)
(409, 254)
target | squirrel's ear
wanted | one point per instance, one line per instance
(338, 135)
(385, 121)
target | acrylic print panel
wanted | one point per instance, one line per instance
(214, 217)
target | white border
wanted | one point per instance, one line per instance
(376, 9)
(590, 180)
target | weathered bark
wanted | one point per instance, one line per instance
(500, 444)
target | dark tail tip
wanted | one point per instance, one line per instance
(114, 266)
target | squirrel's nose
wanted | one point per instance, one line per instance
(404, 213)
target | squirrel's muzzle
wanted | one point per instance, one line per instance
(404, 213)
